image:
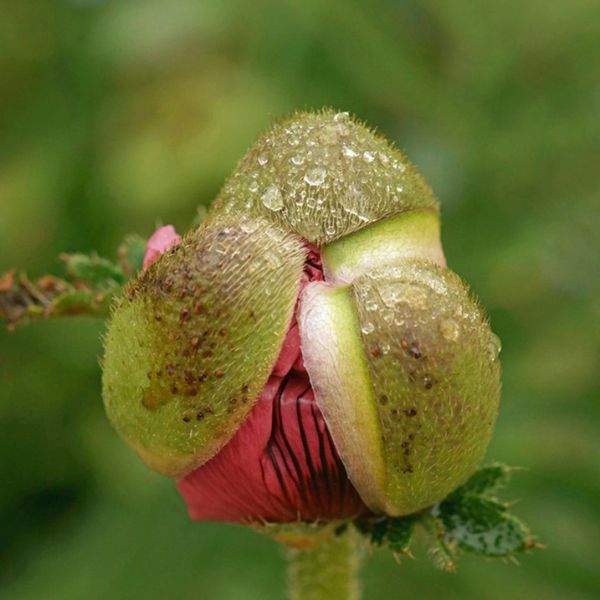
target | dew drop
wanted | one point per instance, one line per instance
(332, 132)
(315, 176)
(494, 347)
(368, 156)
(249, 225)
(253, 186)
(341, 116)
(297, 160)
(272, 259)
(450, 329)
(349, 152)
(330, 229)
(355, 203)
(368, 328)
(415, 296)
(272, 198)
(262, 160)
(371, 306)
(389, 295)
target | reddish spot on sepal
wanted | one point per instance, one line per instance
(281, 465)
(161, 240)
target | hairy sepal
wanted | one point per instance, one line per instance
(323, 176)
(193, 341)
(405, 369)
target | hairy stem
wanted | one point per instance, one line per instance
(327, 570)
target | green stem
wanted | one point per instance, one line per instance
(327, 570)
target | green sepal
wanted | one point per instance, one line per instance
(192, 342)
(323, 175)
(435, 377)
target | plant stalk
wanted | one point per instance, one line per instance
(327, 570)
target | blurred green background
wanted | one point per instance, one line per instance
(116, 114)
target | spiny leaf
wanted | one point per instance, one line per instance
(442, 552)
(393, 532)
(443, 555)
(399, 535)
(22, 300)
(483, 526)
(131, 254)
(89, 284)
(93, 270)
(486, 480)
(468, 520)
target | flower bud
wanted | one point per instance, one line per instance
(305, 354)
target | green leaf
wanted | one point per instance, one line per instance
(93, 270)
(393, 532)
(131, 254)
(443, 555)
(23, 300)
(483, 526)
(83, 302)
(399, 535)
(485, 480)
(88, 287)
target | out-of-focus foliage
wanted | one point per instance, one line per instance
(114, 114)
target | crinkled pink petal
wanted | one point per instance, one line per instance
(290, 351)
(281, 465)
(161, 240)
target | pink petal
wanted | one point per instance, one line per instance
(281, 465)
(290, 351)
(161, 240)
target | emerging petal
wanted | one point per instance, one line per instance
(161, 240)
(282, 464)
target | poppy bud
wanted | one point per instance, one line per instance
(305, 354)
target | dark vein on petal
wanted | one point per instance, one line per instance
(300, 479)
(278, 473)
(307, 455)
(323, 457)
